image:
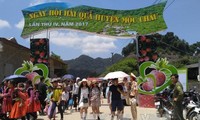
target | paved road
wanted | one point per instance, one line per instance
(143, 114)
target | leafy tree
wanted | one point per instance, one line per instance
(126, 65)
(129, 48)
(178, 51)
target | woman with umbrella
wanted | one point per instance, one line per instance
(7, 98)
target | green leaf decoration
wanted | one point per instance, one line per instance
(143, 67)
(27, 66)
(20, 70)
(47, 82)
(172, 69)
(44, 69)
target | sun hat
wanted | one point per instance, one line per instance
(54, 80)
(132, 75)
(78, 78)
(84, 80)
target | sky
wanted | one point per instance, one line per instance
(181, 17)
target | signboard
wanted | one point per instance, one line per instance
(39, 51)
(147, 48)
(118, 23)
(183, 78)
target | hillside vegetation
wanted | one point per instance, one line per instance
(176, 50)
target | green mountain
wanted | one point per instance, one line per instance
(85, 66)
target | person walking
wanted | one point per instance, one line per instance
(18, 110)
(104, 86)
(64, 99)
(48, 100)
(177, 97)
(56, 98)
(83, 98)
(95, 99)
(75, 93)
(116, 102)
(42, 88)
(31, 112)
(7, 98)
(123, 96)
(133, 94)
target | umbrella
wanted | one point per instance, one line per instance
(116, 74)
(93, 78)
(68, 77)
(15, 78)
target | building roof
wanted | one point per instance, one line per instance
(196, 65)
(13, 42)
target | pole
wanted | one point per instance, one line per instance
(137, 53)
(112, 57)
(199, 69)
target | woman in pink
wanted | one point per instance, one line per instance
(7, 98)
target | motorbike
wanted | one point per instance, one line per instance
(188, 103)
(191, 104)
(194, 112)
(163, 103)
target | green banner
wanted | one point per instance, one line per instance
(119, 23)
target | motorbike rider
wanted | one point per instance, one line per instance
(177, 97)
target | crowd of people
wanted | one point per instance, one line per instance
(26, 100)
(22, 100)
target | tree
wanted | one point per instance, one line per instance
(126, 65)
(129, 49)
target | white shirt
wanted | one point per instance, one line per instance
(65, 96)
(75, 88)
(125, 90)
(84, 93)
